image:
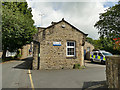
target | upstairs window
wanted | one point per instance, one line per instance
(70, 48)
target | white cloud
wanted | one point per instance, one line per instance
(82, 15)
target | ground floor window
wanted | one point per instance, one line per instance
(70, 48)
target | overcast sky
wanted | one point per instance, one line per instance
(82, 15)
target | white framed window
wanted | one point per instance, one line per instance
(70, 48)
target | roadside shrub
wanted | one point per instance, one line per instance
(18, 55)
(77, 66)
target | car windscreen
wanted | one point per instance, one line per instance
(107, 54)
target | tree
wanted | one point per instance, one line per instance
(109, 23)
(90, 40)
(109, 26)
(104, 44)
(17, 26)
(117, 43)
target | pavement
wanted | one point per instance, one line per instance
(16, 74)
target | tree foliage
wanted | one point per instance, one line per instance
(90, 40)
(104, 44)
(109, 27)
(17, 25)
(109, 23)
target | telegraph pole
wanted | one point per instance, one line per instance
(41, 17)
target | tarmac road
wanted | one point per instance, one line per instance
(15, 75)
(94, 74)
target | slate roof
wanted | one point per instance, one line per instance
(54, 23)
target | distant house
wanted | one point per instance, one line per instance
(24, 51)
(10, 54)
(87, 49)
(58, 46)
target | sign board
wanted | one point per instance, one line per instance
(56, 43)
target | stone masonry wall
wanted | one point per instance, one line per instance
(25, 51)
(35, 56)
(54, 57)
(88, 52)
(0, 54)
(113, 71)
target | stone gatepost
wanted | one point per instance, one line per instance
(113, 71)
(82, 56)
(36, 57)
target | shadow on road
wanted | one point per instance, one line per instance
(94, 85)
(27, 64)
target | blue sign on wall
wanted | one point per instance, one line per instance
(56, 43)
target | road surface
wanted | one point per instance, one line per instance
(16, 74)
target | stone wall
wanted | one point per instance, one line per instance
(54, 57)
(113, 71)
(0, 54)
(36, 57)
(25, 51)
(87, 56)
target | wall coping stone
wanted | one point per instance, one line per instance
(115, 57)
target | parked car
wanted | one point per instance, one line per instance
(99, 56)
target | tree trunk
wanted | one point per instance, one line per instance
(4, 54)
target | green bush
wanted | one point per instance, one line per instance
(18, 55)
(77, 66)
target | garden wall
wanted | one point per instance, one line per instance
(113, 71)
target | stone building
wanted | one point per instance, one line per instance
(58, 46)
(87, 49)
